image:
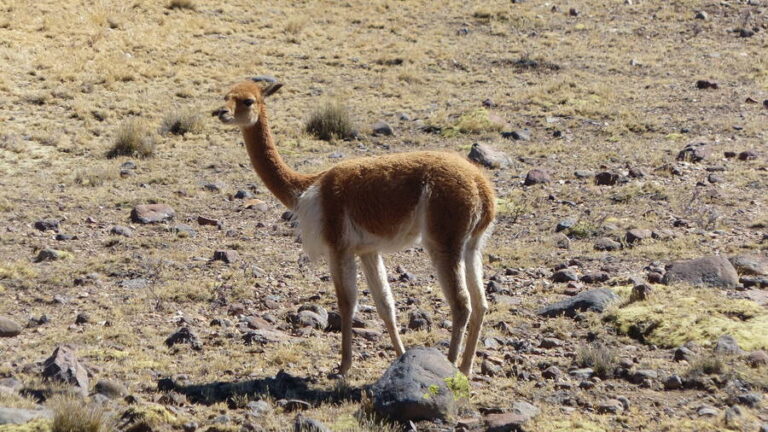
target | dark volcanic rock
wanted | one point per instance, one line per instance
(565, 275)
(606, 178)
(152, 213)
(488, 157)
(47, 225)
(419, 319)
(714, 271)
(63, 366)
(638, 235)
(184, 335)
(593, 300)
(414, 387)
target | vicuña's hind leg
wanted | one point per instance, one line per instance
(376, 275)
(474, 265)
(451, 276)
(343, 272)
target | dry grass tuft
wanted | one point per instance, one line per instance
(73, 415)
(182, 122)
(331, 121)
(182, 4)
(600, 358)
(706, 365)
(134, 138)
(93, 177)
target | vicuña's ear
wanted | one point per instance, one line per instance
(271, 89)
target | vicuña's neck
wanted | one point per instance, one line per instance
(285, 183)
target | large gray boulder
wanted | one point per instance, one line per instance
(420, 385)
(714, 271)
(21, 416)
(63, 366)
(594, 300)
(750, 264)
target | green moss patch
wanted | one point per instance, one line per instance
(674, 315)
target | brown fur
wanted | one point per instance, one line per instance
(378, 195)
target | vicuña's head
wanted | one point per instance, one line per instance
(241, 104)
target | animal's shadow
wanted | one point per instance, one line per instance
(281, 386)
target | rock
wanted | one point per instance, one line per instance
(756, 265)
(583, 174)
(565, 224)
(536, 176)
(243, 194)
(726, 344)
(594, 300)
(514, 420)
(152, 213)
(419, 319)
(8, 327)
(552, 372)
(757, 358)
(65, 237)
(110, 389)
(414, 387)
(518, 135)
(611, 406)
(635, 172)
(228, 256)
(548, 343)
(47, 225)
(314, 316)
(596, 277)
(488, 157)
(491, 369)
(565, 275)
(714, 178)
(52, 255)
(259, 408)
(606, 178)
(334, 322)
(673, 382)
(705, 84)
(635, 236)
(707, 411)
(82, 318)
(382, 128)
(642, 375)
(121, 231)
(183, 230)
(184, 335)
(714, 271)
(606, 244)
(745, 33)
(562, 241)
(640, 292)
(582, 374)
(751, 400)
(256, 204)
(695, 152)
(63, 366)
(214, 186)
(733, 417)
(702, 15)
(9, 416)
(306, 424)
(207, 221)
(748, 155)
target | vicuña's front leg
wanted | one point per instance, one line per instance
(344, 274)
(376, 274)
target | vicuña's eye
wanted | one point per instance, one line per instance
(248, 102)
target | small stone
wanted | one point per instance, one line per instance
(606, 178)
(488, 157)
(748, 155)
(183, 230)
(111, 389)
(306, 424)
(635, 236)
(491, 369)
(565, 224)
(521, 413)
(121, 231)
(207, 221)
(382, 128)
(47, 225)
(214, 186)
(536, 176)
(583, 174)
(419, 319)
(548, 343)
(757, 358)
(228, 256)
(573, 12)
(582, 374)
(314, 316)
(707, 411)
(259, 408)
(594, 300)
(726, 344)
(596, 277)
(714, 178)
(519, 135)
(63, 366)
(82, 318)
(640, 292)
(256, 204)
(695, 152)
(750, 400)
(51, 255)
(184, 335)
(702, 15)
(745, 33)
(642, 375)
(243, 194)
(611, 406)
(565, 275)
(673, 382)
(607, 244)
(152, 213)
(8, 327)
(552, 372)
(705, 84)
(562, 241)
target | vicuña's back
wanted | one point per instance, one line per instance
(367, 206)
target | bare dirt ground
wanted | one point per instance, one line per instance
(599, 85)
